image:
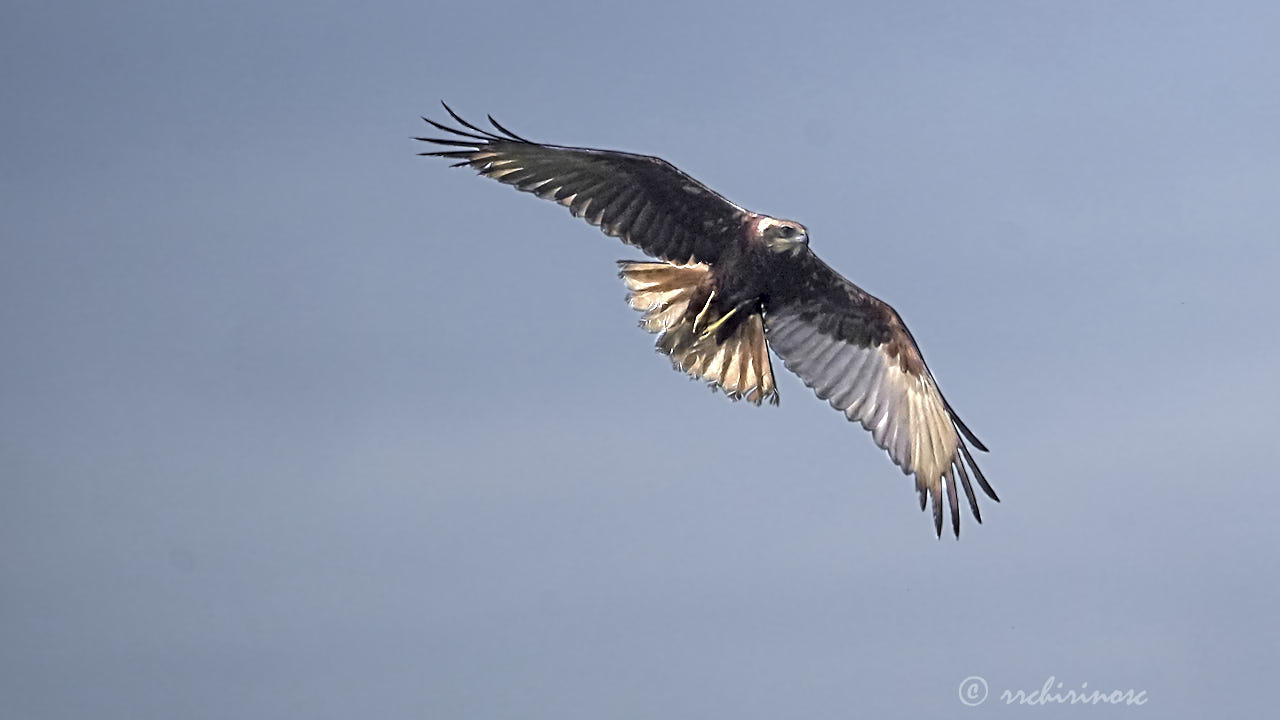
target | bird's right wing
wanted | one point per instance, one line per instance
(644, 201)
(856, 353)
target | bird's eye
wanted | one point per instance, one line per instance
(786, 231)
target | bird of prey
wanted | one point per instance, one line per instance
(730, 284)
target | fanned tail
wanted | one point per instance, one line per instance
(676, 302)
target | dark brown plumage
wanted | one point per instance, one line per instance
(734, 284)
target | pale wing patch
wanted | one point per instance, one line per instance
(904, 412)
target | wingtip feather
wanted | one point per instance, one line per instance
(507, 132)
(469, 126)
(964, 430)
(953, 501)
(935, 499)
(968, 490)
(977, 473)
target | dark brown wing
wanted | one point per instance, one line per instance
(856, 353)
(644, 201)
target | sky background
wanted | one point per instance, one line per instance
(296, 424)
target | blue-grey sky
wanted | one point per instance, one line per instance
(297, 424)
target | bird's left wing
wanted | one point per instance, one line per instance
(856, 353)
(644, 201)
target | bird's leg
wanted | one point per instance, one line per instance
(710, 329)
(698, 320)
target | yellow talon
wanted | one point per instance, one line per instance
(712, 327)
(698, 320)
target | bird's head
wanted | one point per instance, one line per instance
(782, 236)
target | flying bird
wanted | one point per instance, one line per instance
(730, 284)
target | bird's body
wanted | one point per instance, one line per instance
(731, 285)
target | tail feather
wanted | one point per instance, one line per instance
(674, 299)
